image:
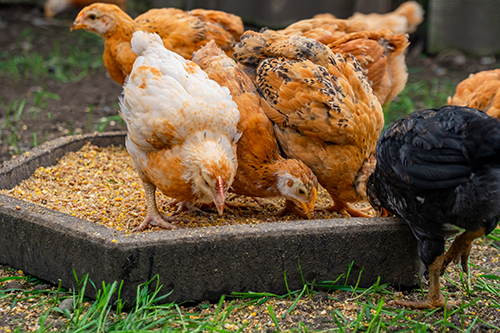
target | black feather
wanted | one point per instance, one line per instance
(439, 167)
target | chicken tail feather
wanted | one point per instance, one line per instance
(483, 139)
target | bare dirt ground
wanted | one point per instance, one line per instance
(83, 106)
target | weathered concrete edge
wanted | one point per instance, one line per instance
(204, 263)
(201, 263)
(23, 166)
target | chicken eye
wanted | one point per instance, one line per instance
(92, 16)
(206, 183)
(301, 191)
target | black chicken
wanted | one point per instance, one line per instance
(435, 168)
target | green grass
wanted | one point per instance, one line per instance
(70, 62)
(10, 125)
(15, 112)
(372, 313)
(419, 95)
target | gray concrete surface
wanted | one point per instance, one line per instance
(202, 263)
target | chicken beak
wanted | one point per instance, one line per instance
(77, 23)
(309, 208)
(76, 26)
(219, 196)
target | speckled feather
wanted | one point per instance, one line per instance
(380, 53)
(325, 111)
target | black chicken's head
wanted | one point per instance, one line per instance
(371, 193)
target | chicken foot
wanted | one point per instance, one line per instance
(344, 208)
(435, 298)
(186, 207)
(460, 249)
(153, 215)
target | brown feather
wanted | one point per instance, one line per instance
(326, 112)
(259, 161)
(181, 32)
(480, 91)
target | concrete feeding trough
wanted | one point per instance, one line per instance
(198, 263)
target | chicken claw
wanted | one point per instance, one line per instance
(435, 298)
(344, 208)
(153, 216)
(155, 219)
(460, 249)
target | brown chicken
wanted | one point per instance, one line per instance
(54, 7)
(181, 32)
(262, 171)
(325, 111)
(380, 53)
(480, 91)
(405, 19)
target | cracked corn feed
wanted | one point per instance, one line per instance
(101, 185)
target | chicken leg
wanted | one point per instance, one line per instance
(435, 298)
(344, 208)
(460, 249)
(153, 215)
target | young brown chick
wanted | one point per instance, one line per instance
(181, 32)
(480, 91)
(325, 111)
(262, 171)
(181, 129)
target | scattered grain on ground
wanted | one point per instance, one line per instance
(100, 184)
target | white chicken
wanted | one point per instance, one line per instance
(181, 130)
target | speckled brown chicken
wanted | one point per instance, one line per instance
(324, 109)
(262, 171)
(181, 32)
(480, 91)
(380, 53)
